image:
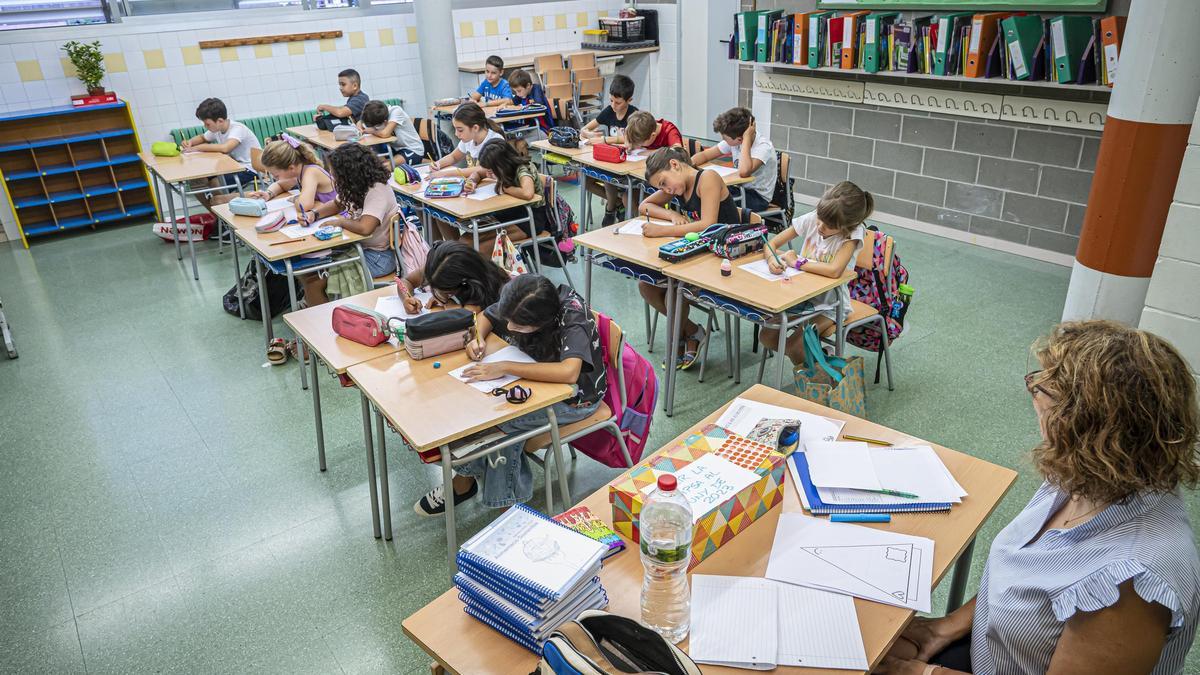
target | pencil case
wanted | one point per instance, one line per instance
(438, 333)
(345, 132)
(271, 222)
(735, 241)
(404, 174)
(164, 149)
(362, 325)
(244, 206)
(604, 152)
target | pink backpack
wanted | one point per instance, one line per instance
(413, 249)
(633, 407)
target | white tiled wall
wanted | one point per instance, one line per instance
(527, 28)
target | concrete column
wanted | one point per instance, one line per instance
(435, 43)
(1149, 117)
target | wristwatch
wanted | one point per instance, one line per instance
(800, 263)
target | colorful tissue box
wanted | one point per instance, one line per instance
(719, 525)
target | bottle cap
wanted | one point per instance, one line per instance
(905, 288)
(667, 482)
(692, 236)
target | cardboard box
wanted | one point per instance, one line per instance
(712, 530)
(86, 99)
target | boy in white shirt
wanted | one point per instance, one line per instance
(753, 155)
(227, 136)
(383, 120)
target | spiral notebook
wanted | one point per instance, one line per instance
(798, 465)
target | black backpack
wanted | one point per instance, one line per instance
(564, 137)
(277, 294)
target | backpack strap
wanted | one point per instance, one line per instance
(814, 352)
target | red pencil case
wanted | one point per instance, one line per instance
(603, 152)
(360, 324)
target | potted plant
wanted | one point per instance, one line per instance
(89, 64)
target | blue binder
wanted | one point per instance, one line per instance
(820, 508)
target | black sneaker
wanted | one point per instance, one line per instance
(434, 501)
(610, 218)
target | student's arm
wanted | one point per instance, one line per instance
(560, 372)
(319, 211)
(829, 269)
(705, 156)
(449, 160)
(1126, 637)
(477, 347)
(746, 163)
(308, 188)
(475, 96)
(524, 191)
(389, 129)
(226, 147)
(495, 102)
(409, 283)
(654, 206)
(273, 190)
(335, 110)
(194, 140)
(709, 186)
(589, 129)
(365, 225)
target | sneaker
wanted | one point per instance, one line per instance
(434, 501)
(610, 218)
(690, 356)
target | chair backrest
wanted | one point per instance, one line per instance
(616, 345)
(693, 146)
(562, 91)
(552, 77)
(560, 109)
(591, 88)
(546, 63)
(866, 255)
(256, 161)
(585, 74)
(549, 200)
(581, 60)
(393, 226)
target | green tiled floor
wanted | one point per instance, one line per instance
(160, 504)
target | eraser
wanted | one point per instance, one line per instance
(437, 364)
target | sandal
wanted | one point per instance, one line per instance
(689, 357)
(293, 349)
(277, 352)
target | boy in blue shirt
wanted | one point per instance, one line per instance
(494, 89)
(526, 92)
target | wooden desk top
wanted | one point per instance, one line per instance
(630, 247)
(729, 179)
(544, 146)
(313, 325)
(465, 645)
(511, 62)
(463, 208)
(243, 227)
(430, 408)
(326, 141)
(773, 296)
(191, 165)
(489, 111)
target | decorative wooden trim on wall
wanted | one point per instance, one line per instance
(811, 87)
(270, 39)
(947, 102)
(1073, 114)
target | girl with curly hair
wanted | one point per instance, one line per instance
(365, 203)
(1099, 573)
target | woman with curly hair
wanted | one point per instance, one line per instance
(366, 204)
(1099, 573)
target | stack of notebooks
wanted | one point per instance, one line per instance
(526, 574)
(846, 477)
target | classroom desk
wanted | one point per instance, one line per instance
(460, 644)
(464, 212)
(176, 172)
(769, 298)
(621, 175)
(405, 391)
(514, 62)
(325, 142)
(446, 112)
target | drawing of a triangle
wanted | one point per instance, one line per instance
(884, 567)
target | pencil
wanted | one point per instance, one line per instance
(475, 326)
(864, 439)
(772, 250)
(895, 493)
(289, 241)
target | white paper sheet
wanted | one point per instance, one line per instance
(280, 203)
(637, 155)
(916, 470)
(756, 623)
(709, 481)
(759, 268)
(744, 416)
(887, 567)
(392, 306)
(633, 227)
(483, 192)
(845, 464)
(509, 353)
(297, 231)
(722, 170)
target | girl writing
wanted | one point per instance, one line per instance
(293, 164)
(473, 129)
(458, 275)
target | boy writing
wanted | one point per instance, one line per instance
(526, 92)
(224, 135)
(350, 84)
(753, 155)
(609, 126)
(494, 89)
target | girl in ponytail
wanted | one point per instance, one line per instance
(474, 130)
(831, 236)
(293, 164)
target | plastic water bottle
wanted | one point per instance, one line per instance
(666, 543)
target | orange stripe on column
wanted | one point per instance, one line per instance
(1136, 171)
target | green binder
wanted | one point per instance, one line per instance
(948, 25)
(818, 26)
(747, 34)
(1069, 37)
(762, 44)
(875, 38)
(1021, 37)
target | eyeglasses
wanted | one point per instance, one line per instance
(514, 394)
(1033, 389)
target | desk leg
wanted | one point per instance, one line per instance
(158, 211)
(630, 207)
(237, 276)
(737, 350)
(291, 281)
(475, 233)
(174, 224)
(187, 227)
(779, 354)
(316, 392)
(385, 500)
(674, 325)
(839, 340)
(583, 201)
(559, 462)
(962, 573)
(264, 306)
(366, 419)
(448, 493)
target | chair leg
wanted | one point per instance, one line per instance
(754, 345)
(615, 430)
(887, 351)
(562, 262)
(707, 341)
(546, 475)
(651, 328)
(762, 364)
(729, 353)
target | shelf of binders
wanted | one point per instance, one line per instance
(892, 74)
(66, 168)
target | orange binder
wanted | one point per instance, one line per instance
(800, 39)
(983, 34)
(850, 37)
(1111, 29)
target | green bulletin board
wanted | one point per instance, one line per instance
(969, 5)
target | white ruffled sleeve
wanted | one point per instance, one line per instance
(1100, 589)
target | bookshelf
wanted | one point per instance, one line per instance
(893, 74)
(65, 168)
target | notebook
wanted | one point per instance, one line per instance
(759, 624)
(592, 596)
(533, 553)
(798, 465)
(582, 520)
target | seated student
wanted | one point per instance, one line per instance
(831, 236)
(613, 119)
(363, 194)
(525, 91)
(457, 275)
(703, 195)
(350, 84)
(554, 326)
(293, 164)
(1099, 573)
(517, 176)
(473, 129)
(383, 120)
(225, 135)
(643, 131)
(753, 155)
(494, 89)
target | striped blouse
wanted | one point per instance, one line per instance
(1029, 590)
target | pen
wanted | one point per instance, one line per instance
(864, 439)
(475, 326)
(894, 493)
(860, 518)
(772, 250)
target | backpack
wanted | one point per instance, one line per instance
(599, 643)
(564, 137)
(277, 294)
(872, 287)
(413, 249)
(633, 407)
